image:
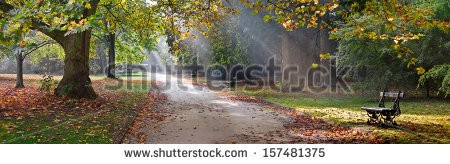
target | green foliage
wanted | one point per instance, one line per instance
(145, 19)
(64, 16)
(438, 74)
(4, 51)
(34, 46)
(229, 43)
(67, 89)
(130, 49)
(377, 63)
(373, 65)
(47, 82)
(134, 24)
(52, 50)
(396, 22)
(185, 57)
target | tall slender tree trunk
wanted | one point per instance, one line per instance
(47, 63)
(112, 56)
(76, 82)
(100, 49)
(19, 72)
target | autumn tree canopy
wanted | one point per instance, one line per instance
(70, 23)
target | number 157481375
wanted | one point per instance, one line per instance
(294, 152)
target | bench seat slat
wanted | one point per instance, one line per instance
(391, 94)
(375, 108)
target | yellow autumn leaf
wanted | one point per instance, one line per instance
(420, 70)
(396, 47)
(88, 5)
(336, 5)
(316, 2)
(325, 56)
(14, 27)
(22, 44)
(314, 65)
(25, 29)
(71, 2)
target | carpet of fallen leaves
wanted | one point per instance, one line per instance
(29, 115)
(19, 101)
(148, 113)
(310, 129)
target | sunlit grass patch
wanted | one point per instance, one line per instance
(422, 120)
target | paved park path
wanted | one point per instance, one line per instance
(195, 114)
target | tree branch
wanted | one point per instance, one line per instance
(36, 48)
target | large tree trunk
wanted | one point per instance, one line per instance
(112, 56)
(19, 73)
(76, 82)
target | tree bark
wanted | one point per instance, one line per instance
(19, 73)
(76, 82)
(112, 56)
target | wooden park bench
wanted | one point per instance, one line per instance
(383, 115)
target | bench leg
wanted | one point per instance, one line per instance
(383, 118)
(374, 117)
(388, 118)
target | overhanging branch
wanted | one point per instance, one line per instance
(36, 48)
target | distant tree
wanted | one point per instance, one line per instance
(31, 42)
(229, 43)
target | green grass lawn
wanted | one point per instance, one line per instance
(73, 122)
(422, 120)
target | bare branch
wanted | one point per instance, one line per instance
(37, 47)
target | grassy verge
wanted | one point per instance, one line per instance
(63, 120)
(422, 121)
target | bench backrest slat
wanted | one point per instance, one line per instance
(391, 94)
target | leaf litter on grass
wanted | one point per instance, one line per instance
(29, 115)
